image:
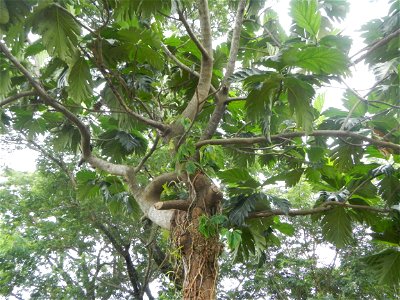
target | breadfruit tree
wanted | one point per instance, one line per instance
(197, 108)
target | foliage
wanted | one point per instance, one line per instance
(137, 90)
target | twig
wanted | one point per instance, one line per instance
(146, 157)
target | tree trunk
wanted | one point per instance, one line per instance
(198, 254)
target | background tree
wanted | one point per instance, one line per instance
(138, 89)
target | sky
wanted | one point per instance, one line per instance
(360, 12)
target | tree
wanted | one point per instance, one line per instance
(138, 90)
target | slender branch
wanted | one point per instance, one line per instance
(158, 125)
(289, 135)
(191, 34)
(324, 207)
(124, 252)
(230, 67)
(57, 161)
(150, 153)
(376, 45)
(83, 129)
(16, 97)
(178, 62)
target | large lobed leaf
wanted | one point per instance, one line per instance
(336, 227)
(300, 95)
(80, 81)
(386, 264)
(306, 15)
(58, 29)
(319, 60)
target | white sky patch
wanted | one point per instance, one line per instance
(23, 160)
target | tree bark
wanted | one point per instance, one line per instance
(198, 254)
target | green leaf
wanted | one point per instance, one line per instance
(389, 189)
(336, 227)
(58, 29)
(319, 60)
(240, 206)
(118, 144)
(5, 82)
(386, 265)
(300, 95)
(306, 15)
(80, 81)
(280, 203)
(238, 178)
(285, 228)
(234, 238)
(260, 99)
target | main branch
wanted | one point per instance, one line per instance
(201, 93)
(289, 135)
(324, 207)
(222, 94)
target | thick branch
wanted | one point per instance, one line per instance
(16, 97)
(324, 207)
(230, 67)
(289, 135)
(196, 103)
(172, 204)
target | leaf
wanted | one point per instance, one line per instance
(238, 180)
(336, 227)
(58, 29)
(80, 81)
(306, 15)
(5, 82)
(285, 228)
(300, 95)
(87, 188)
(280, 203)
(118, 144)
(386, 265)
(234, 238)
(259, 100)
(384, 169)
(319, 60)
(240, 206)
(389, 189)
